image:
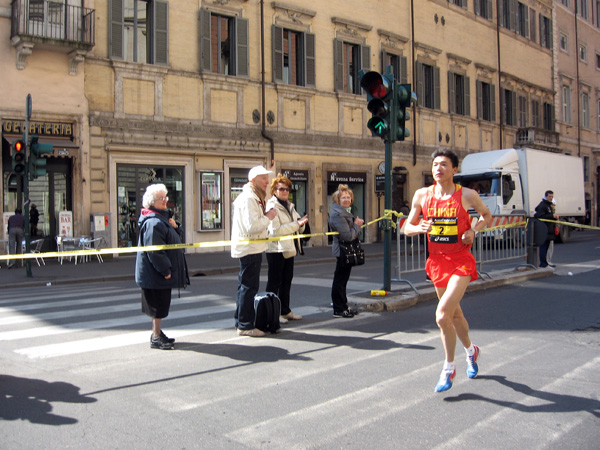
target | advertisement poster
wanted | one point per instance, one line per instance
(65, 223)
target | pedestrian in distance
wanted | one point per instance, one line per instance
(16, 231)
(450, 265)
(544, 211)
(348, 227)
(250, 222)
(281, 253)
(405, 208)
(158, 272)
(34, 218)
(550, 251)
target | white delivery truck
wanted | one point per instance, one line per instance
(513, 181)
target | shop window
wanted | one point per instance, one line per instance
(211, 211)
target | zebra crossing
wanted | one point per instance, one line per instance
(76, 316)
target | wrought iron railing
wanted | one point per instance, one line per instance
(43, 19)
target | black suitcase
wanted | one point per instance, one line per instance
(267, 309)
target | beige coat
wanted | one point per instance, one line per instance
(283, 225)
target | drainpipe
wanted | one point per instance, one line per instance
(577, 84)
(414, 77)
(262, 83)
(500, 99)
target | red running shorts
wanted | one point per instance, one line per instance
(441, 267)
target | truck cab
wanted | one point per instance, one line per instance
(500, 191)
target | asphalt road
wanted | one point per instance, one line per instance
(77, 370)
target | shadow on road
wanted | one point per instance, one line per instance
(31, 399)
(560, 403)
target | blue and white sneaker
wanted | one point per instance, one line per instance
(472, 367)
(445, 381)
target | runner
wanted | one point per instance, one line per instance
(450, 264)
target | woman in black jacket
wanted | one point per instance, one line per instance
(348, 227)
(157, 272)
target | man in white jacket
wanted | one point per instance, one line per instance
(250, 222)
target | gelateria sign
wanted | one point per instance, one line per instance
(55, 129)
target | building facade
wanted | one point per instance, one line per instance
(42, 49)
(193, 94)
(577, 75)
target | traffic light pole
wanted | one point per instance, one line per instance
(387, 237)
(26, 188)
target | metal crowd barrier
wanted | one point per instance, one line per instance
(504, 239)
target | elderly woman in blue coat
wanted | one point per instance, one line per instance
(157, 272)
(348, 227)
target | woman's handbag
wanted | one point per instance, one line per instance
(351, 253)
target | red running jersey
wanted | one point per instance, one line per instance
(449, 222)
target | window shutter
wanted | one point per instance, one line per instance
(503, 113)
(451, 93)
(277, 37)
(492, 103)
(310, 60)
(338, 65)
(550, 40)
(490, 14)
(419, 81)
(404, 70)
(467, 96)
(365, 57)
(241, 51)
(477, 7)
(116, 29)
(542, 33)
(513, 15)
(526, 20)
(436, 86)
(160, 30)
(532, 32)
(479, 101)
(513, 118)
(501, 13)
(205, 62)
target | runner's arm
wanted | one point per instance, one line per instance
(414, 224)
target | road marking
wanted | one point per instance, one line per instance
(539, 399)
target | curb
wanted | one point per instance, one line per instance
(404, 300)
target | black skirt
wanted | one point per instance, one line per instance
(156, 302)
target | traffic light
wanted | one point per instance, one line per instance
(379, 89)
(19, 157)
(37, 164)
(403, 96)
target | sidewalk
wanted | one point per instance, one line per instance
(204, 264)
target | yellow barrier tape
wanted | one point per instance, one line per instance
(388, 214)
(510, 225)
(571, 224)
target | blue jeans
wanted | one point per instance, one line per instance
(248, 283)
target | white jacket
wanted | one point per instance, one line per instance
(283, 225)
(249, 222)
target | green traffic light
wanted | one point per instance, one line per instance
(378, 126)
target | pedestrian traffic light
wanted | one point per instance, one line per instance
(37, 164)
(19, 157)
(403, 96)
(379, 89)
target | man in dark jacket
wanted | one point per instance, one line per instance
(157, 272)
(544, 211)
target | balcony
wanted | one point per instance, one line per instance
(52, 26)
(538, 138)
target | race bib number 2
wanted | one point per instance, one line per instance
(444, 230)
